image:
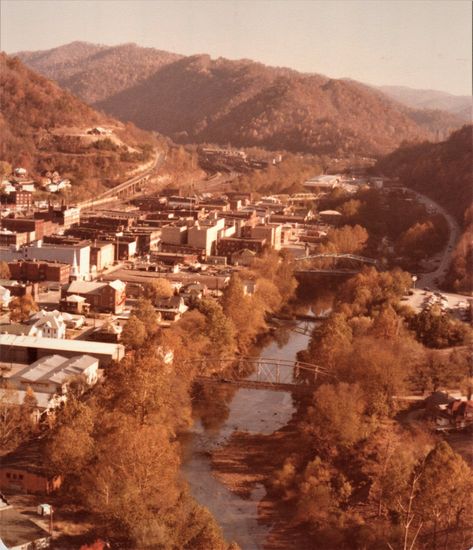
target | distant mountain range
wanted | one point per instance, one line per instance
(459, 105)
(244, 103)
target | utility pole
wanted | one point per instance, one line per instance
(51, 521)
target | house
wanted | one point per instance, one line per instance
(171, 309)
(109, 332)
(45, 403)
(20, 329)
(460, 413)
(448, 412)
(73, 321)
(17, 289)
(243, 257)
(74, 304)
(50, 323)
(25, 471)
(193, 291)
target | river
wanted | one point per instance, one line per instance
(257, 411)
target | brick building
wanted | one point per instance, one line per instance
(102, 296)
(12, 238)
(64, 216)
(24, 470)
(41, 228)
(40, 271)
(17, 289)
(228, 246)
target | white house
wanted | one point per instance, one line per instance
(50, 323)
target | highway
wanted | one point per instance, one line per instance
(434, 278)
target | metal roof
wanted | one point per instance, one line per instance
(114, 351)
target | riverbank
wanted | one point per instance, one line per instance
(248, 461)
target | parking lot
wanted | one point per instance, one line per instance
(424, 298)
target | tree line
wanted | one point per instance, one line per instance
(361, 478)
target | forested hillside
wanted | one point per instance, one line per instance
(444, 172)
(95, 72)
(197, 99)
(45, 128)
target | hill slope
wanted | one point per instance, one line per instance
(45, 128)
(197, 99)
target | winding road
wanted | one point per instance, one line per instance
(433, 279)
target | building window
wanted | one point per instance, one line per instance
(8, 475)
(20, 476)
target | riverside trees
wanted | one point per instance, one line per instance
(119, 455)
(118, 451)
(359, 479)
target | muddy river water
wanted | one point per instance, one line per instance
(257, 411)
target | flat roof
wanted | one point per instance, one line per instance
(86, 347)
(17, 530)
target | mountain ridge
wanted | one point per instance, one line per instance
(241, 102)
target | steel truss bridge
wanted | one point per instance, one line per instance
(261, 373)
(341, 264)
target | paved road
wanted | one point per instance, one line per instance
(429, 279)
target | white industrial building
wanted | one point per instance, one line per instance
(49, 379)
(204, 234)
(65, 253)
(27, 349)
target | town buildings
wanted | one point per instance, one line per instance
(101, 296)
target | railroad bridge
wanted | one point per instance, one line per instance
(261, 373)
(124, 190)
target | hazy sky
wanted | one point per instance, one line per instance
(417, 43)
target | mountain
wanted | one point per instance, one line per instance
(440, 170)
(459, 105)
(198, 99)
(443, 171)
(46, 128)
(95, 72)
